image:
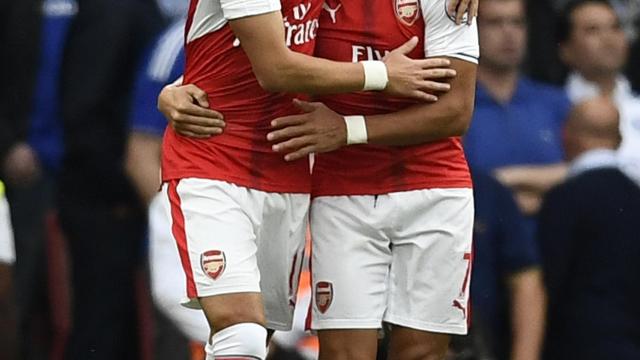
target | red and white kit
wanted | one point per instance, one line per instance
(391, 226)
(239, 210)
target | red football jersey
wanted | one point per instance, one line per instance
(356, 30)
(216, 63)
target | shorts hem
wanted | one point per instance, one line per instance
(426, 326)
(192, 303)
(278, 326)
(346, 324)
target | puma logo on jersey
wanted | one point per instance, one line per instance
(360, 53)
(332, 12)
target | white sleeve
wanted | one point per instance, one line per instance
(235, 9)
(443, 37)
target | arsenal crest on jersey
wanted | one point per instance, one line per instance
(407, 11)
(324, 295)
(213, 263)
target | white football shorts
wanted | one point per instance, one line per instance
(233, 239)
(403, 258)
(167, 277)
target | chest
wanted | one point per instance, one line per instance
(369, 29)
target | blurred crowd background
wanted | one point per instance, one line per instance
(554, 147)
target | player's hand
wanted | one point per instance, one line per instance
(464, 7)
(318, 130)
(420, 79)
(186, 108)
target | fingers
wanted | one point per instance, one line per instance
(287, 133)
(198, 95)
(408, 46)
(299, 154)
(434, 63)
(196, 130)
(432, 74)
(304, 105)
(473, 11)
(423, 96)
(461, 10)
(434, 86)
(181, 118)
(188, 108)
(293, 144)
(286, 121)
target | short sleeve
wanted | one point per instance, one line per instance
(518, 248)
(235, 9)
(443, 37)
(162, 64)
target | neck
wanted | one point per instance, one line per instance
(606, 82)
(501, 83)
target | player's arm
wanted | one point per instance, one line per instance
(320, 129)
(143, 163)
(279, 69)
(528, 311)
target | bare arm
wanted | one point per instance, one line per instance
(528, 311)
(321, 129)
(450, 116)
(277, 68)
(531, 182)
(143, 164)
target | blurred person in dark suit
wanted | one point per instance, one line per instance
(100, 213)
(590, 244)
(516, 128)
(507, 293)
(594, 46)
(33, 39)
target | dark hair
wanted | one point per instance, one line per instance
(565, 24)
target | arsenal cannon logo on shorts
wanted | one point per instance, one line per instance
(213, 263)
(407, 11)
(324, 295)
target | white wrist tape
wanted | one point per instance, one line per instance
(356, 130)
(375, 75)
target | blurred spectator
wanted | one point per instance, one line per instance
(163, 64)
(31, 148)
(543, 60)
(590, 244)
(594, 46)
(515, 132)
(507, 293)
(99, 211)
(8, 326)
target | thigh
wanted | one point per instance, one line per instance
(350, 263)
(216, 239)
(281, 242)
(431, 266)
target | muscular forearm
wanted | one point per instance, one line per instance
(527, 313)
(297, 72)
(532, 178)
(449, 116)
